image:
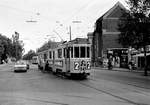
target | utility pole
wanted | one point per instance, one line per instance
(70, 32)
(16, 38)
(16, 50)
(76, 21)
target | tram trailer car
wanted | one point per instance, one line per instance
(42, 57)
(72, 58)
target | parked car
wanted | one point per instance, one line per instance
(21, 66)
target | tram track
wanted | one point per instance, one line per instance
(110, 94)
(125, 99)
(30, 99)
(130, 84)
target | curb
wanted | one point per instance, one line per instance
(118, 69)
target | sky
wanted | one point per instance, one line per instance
(51, 19)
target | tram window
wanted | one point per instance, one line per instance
(88, 52)
(82, 52)
(71, 49)
(76, 52)
(50, 54)
(68, 54)
(59, 53)
(53, 54)
(45, 57)
(64, 52)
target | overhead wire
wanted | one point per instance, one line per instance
(75, 13)
(17, 9)
(46, 18)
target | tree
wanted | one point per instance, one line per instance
(135, 28)
(5, 47)
(47, 45)
(29, 55)
(11, 47)
(17, 46)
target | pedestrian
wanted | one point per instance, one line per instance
(110, 60)
(46, 66)
(117, 61)
(131, 64)
(105, 62)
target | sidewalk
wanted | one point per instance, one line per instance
(119, 69)
(1, 65)
(6, 64)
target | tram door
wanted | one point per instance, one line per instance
(67, 59)
(53, 59)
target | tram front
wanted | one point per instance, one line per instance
(80, 60)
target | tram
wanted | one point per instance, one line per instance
(34, 60)
(71, 58)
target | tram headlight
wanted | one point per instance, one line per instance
(76, 65)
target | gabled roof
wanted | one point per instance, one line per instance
(118, 4)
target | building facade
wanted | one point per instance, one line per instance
(105, 36)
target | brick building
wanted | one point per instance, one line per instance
(105, 36)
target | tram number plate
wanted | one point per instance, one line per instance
(88, 65)
(76, 65)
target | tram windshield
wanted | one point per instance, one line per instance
(76, 52)
(81, 52)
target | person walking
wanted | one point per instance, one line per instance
(110, 60)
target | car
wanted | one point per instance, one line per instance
(28, 66)
(21, 66)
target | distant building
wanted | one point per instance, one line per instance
(90, 37)
(105, 36)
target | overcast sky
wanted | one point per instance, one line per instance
(53, 19)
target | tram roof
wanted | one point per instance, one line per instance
(75, 41)
(79, 41)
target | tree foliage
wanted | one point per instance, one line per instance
(47, 45)
(5, 47)
(29, 55)
(135, 27)
(17, 46)
(10, 47)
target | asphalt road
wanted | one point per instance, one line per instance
(103, 87)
